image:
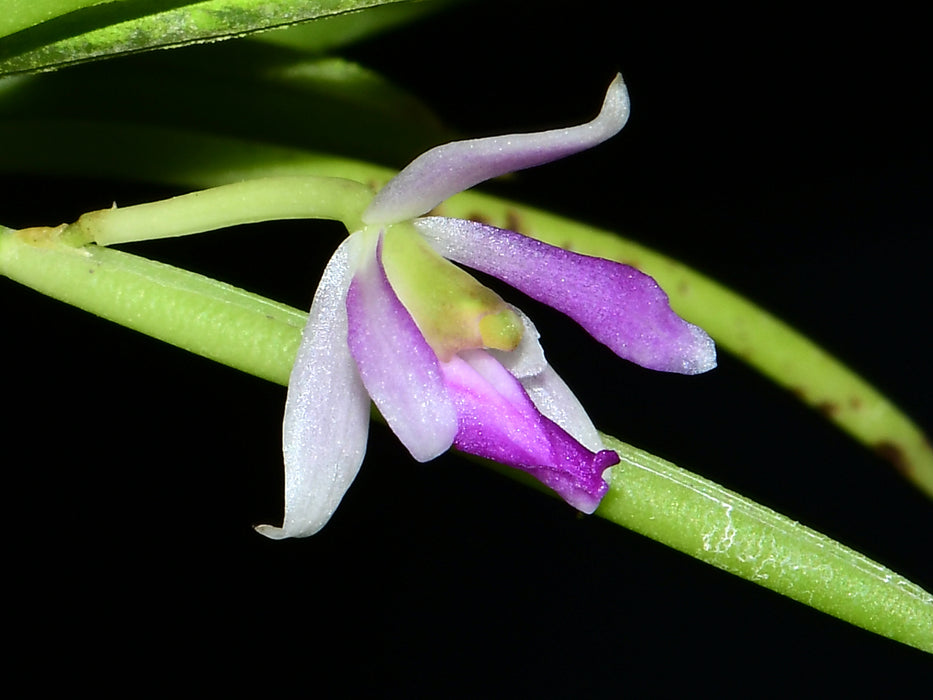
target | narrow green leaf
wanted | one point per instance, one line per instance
(243, 89)
(702, 519)
(22, 14)
(137, 153)
(329, 33)
(130, 26)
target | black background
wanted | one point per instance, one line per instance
(783, 153)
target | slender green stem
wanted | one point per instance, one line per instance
(252, 201)
(646, 494)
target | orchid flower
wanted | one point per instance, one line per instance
(445, 360)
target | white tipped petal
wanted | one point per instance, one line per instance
(327, 410)
(453, 167)
(618, 305)
(551, 395)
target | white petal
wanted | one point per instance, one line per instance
(555, 400)
(528, 358)
(327, 410)
(453, 167)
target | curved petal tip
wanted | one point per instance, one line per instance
(272, 532)
(326, 412)
(453, 167)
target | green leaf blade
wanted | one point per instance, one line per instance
(23, 14)
(243, 89)
(110, 29)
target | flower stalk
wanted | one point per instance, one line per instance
(251, 201)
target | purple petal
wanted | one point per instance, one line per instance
(451, 168)
(326, 412)
(499, 422)
(619, 306)
(398, 368)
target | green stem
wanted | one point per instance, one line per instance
(647, 494)
(252, 201)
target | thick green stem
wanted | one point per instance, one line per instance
(199, 314)
(697, 517)
(647, 494)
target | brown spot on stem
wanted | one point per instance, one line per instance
(829, 409)
(478, 218)
(894, 454)
(513, 221)
(856, 403)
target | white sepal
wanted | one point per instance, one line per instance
(327, 410)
